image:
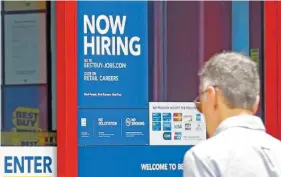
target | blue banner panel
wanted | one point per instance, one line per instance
(25, 108)
(136, 161)
(112, 54)
(240, 27)
(113, 127)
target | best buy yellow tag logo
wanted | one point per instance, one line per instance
(26, 118)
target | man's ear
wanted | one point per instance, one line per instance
(256, 105)
(210, 92)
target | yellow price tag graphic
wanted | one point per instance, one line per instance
(29, 138)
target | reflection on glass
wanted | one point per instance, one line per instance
(182, 36)
(25, 49)
(26, 116)
(188, 33)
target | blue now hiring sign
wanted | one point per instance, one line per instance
(112, 54)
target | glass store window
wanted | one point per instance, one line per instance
(27, 117)
(185, 34)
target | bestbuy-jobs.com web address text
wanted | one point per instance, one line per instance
(161, 166)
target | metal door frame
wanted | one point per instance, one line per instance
(67, 144)
(271, 67)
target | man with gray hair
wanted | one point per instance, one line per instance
(238, 145)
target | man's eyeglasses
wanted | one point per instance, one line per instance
(198, 104)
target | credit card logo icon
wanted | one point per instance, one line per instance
(167, 117)
(156, 126)
(177, 136)
(177, 117)
(167, 136)
(167, 126)
(178, 126)
(187, 126)
(156, 116)
(187, 118)
(198, 117)
(199, 127)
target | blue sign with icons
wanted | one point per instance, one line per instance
(113, 127)
(136, 161)
(112, 54)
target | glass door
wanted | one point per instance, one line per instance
(188, 33)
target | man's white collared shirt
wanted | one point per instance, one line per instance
(239, 148)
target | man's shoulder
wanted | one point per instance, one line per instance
(271, 142)
(224, 146)
(202, 159)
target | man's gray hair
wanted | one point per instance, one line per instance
(235, 75)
